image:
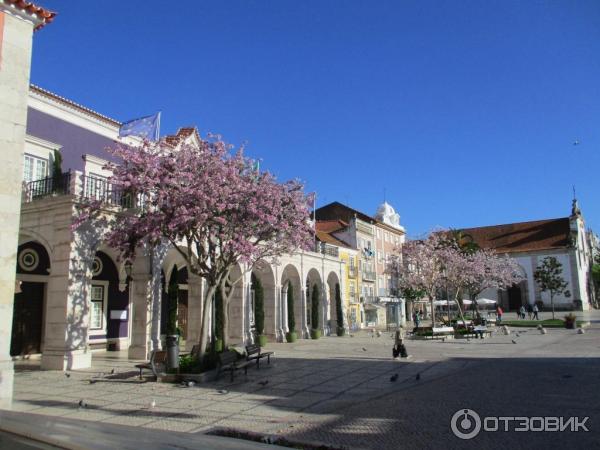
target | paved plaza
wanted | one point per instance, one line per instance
(337, 391)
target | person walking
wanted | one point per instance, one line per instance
(536, 311)
(529, 311)
(499, 313)
(522, 312)
(417, 319)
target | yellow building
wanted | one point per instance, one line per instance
(351, 283)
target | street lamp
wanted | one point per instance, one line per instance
(128, 269)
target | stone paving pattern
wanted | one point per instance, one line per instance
(338, 391)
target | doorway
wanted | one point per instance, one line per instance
(28, 319)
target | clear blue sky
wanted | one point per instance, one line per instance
(464, 111)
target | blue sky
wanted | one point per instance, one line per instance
(463, 112)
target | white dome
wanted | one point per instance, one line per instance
(387, 214)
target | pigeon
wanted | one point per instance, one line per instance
(394, 377)
(112, 372)
(264, 382)
(580, 331)
(67, 374)
(82, 404)
(378, 333)
(364, 349)
(191, 383)
(222, 391)
(517, 334)
(513, 341)
(543, 331)
(418, 377)
(92, 381)
(152, 404)
(351, 335)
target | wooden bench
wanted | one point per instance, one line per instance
(157, 358)
(253, 352)
(228, 361)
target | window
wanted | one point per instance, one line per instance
(97, 307)
(34, 168)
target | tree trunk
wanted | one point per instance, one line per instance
(432, 311)
(210, 291)
(552, 303)
(462, 317)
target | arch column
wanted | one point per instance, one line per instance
(325, 316)
(194, 317)
(303, 323)
(140, 308)
(67, 302)
(283, 311)
(158, 256)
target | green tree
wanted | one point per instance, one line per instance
(219, 313)
(173, 298)
(314, 310)
(290, 308)
(548, 276)
(338, 310)
(259, 300)
(57, 179)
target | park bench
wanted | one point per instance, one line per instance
(228, 361)
(253, 352)
(157, 358)
(441, 332)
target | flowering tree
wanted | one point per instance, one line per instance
(213, 207)
(442, 261)
(419, 268)
(548, 276)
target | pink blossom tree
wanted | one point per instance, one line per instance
(213, 207)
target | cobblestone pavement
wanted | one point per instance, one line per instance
(338, 391)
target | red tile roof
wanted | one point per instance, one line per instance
(329, 239)
(329, 226)
(523, 236)
(43, 14)
(66, 101)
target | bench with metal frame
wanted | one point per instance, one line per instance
(253, 351)
(157, 358)
(228, 361)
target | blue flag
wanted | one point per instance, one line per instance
(144, 127)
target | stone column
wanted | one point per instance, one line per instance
(67, 300)
(158, 256)
(304, 331)
(325, 316)
(140, 308)
(284, 310)
(195, 301)
(247, 308)
(15, 60)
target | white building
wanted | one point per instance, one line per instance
(529, 243)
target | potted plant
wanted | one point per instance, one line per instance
(570, 320)
(315, 333)
(291, 335)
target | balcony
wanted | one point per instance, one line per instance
(81, 186)
(326, 249)
(369, 276)
(368, 299)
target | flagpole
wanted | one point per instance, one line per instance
(158, 127)
(315, 218)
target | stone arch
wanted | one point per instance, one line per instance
(291, 276)
(105, 296)
(313, 277)
(333, 281)
(264, 272)
(26, 235)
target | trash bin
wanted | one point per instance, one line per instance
(173, 351)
